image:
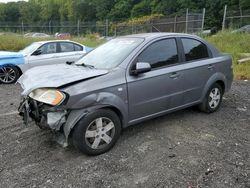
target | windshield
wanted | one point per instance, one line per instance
(110, 54)
(31, 48)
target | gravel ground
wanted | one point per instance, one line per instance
(182, 149)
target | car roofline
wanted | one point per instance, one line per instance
(49, 41)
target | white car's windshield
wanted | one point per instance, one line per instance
(110, 54)
(31, 48)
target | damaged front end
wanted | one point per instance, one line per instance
(44, 115)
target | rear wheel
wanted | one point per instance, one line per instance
(8, 74)
(213, 99)
(97, 132)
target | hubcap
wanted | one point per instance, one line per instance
(100, 133)
(214, 98)
(7, 74)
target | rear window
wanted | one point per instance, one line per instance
(194, 49)
(66, 47)
(78, 48)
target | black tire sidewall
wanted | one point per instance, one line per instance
(79, 131)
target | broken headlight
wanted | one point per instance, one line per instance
(49, 96)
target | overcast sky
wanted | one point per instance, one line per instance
(5, 1)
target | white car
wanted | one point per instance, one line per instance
(13, 64)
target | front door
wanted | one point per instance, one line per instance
(160, 89)
(48, 55)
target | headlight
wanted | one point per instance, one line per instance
(48, 96)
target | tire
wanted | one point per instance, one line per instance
(9, 74)
(97, 132)
(210, 104)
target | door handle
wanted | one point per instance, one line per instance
(174, 75)
(210, 67)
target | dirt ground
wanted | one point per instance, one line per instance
(183, 149)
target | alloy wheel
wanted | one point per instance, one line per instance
(214, 98)
(7, 75)
(100, 133)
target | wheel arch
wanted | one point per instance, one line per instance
(19, 69)
(76, 115)
(216, 78)
(222, 84)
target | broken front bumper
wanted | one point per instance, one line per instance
(45, 116)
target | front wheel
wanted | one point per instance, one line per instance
(97, 132)
(8, 74)
(213, 99)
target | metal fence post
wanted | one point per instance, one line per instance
(186, 21)
(107, 28)
(240, 17)
(115, 30)
(22, 28)
(50, 27)
(224, 17)
(78, 28)
(175, 20)
(203, 19)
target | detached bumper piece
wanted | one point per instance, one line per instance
(45, 116)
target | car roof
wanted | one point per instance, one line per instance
(159, 34)
(48, 41)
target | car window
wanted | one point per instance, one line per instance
(78, 47)
(194, 49)
(160, 53)
(48, 48)
(66, 47)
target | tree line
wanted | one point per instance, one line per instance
(35, 11)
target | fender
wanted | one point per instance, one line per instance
(93, 102)
(214, 78)
(11, 59)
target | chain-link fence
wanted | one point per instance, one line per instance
(234, 19)
(189, 22)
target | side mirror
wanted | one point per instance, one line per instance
(37, 52)
(141, 67)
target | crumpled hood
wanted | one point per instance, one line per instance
(53, 76)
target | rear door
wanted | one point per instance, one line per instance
(160, 89)
(69, 51)
(197, 69)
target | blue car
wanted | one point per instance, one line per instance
(14, 64)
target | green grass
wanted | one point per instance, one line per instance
(16, 42)
(234, 44)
